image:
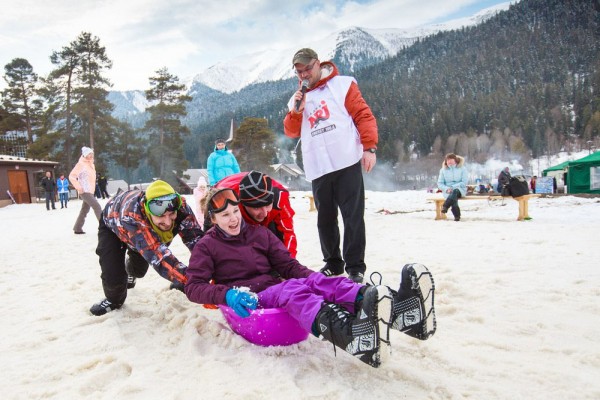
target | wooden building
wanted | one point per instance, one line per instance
(20, 179)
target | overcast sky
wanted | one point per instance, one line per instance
(188, 36)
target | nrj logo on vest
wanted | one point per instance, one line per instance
(321, 113)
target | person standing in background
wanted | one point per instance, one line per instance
(102, 184)
(63, 190)
(97, 190)
(199, 193)
(83, 179)
(532, 183)
(339, 135)
(49, 188)
(221, 163)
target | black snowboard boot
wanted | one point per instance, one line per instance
(103, 307)
(413, 308)
(131, 280)
(359, 334)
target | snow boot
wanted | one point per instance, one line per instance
(356, 277)
(358, 334)
(413, 305)
(131, 281)
(104, 307)
(332, 269)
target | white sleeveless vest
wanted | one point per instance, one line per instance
(330, 140)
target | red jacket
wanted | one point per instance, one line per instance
(279, 220)
(355, 105)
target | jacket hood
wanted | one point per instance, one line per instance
(328, 71)
(461, 162)
(224, 148)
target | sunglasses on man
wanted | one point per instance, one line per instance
(160, 205)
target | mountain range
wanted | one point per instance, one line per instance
(270, 72)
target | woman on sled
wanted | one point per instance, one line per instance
(250, 268)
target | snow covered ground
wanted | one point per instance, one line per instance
(517, 304)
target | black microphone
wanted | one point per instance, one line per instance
(304, 87)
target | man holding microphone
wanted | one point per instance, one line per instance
(339, 136)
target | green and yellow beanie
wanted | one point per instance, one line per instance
(158, 188)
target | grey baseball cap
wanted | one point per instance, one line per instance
(304, 56)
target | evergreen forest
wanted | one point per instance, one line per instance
(524, 84)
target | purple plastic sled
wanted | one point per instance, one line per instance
(265, 326)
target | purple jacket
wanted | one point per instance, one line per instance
(245, 260)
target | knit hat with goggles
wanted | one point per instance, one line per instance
(161, 198)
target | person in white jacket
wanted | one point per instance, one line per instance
(83, 179)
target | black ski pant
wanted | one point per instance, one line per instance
(50, 199)
(452, 202)
(343, 190)
(117, 261)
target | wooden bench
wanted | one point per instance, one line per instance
(523, 204)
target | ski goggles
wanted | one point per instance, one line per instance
(219, 201)
(160, 205)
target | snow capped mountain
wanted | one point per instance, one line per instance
(129, 102)
(351, 48)
(354, 47)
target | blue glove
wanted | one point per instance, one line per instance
(241, 302)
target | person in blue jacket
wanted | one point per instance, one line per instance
(221, 163)
(452, 181)
(62, 184)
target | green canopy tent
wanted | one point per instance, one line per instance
(559, 168)
(557, 172)
(583, 175)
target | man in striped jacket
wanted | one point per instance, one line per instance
(135, 231)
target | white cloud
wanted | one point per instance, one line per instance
(188, 36)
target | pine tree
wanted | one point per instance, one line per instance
(254, 145)
(60, 85)
(19, 96)
(128, 149)
(164, 128)
(91, 104)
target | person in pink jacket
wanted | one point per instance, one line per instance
(83, 179)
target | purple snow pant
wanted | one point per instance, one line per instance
(303, 298)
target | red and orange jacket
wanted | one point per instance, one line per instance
(355, 105)
(280, 219)
(125, 215)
